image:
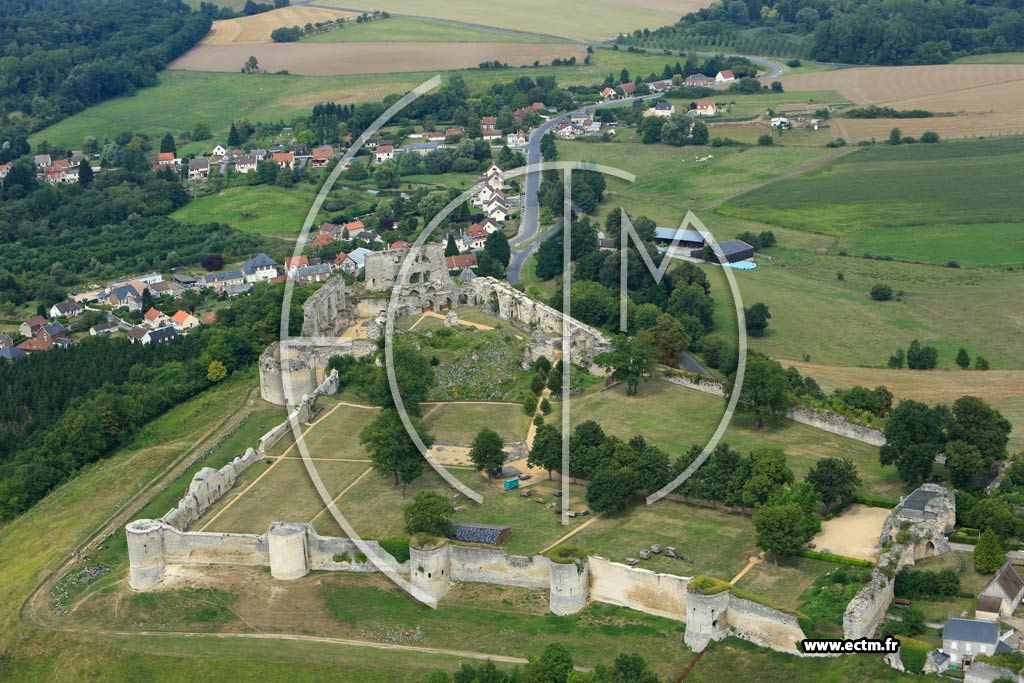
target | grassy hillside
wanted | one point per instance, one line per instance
(263, 209)
(406, 29)
(950, 201)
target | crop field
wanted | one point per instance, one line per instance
(578, 19)
(937, 203)
(257, 27)
(675, 418)
(333, 59)
(263, 209)
(670, 181)
(988, 99)
(805, 296)
(994, 58)
(407, 29)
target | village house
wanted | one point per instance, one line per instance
(160, 335)
(136, 334)
(488, 123)
(358, 256)
(33, 345)
(10, 354)
(322, 155)
(368, 236)
(259, 154)
(299, 150)
(167, 159)
(345, 264)
(965, 639)
(31, 326)
(220, 151)
(661, 109)
(421, 148)
(293, 263)
(66, 309)
(485, 194)
(1001, 596)
(609, 94)
(661, 85)
(628, 89)
(125, 295)
(497, 209)
(398, 244)
(697, 80)
(317, 273)
(520, 114)
(219, 282)
(704, 108)
(284, 159)
(384, 153)
(171, 289)
(259, 268)
(725, 76)
(6, 341)
(198, 168)
(5, 169)
(461, 261)
(245, 163)
(491, 135)
(43, 160)
(185, 281)
(154, 318)
(183, 320)
(453, 131)
(475, 236)
(50, 332)
(518, 139)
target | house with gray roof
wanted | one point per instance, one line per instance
(160, 335)
(259, 268)
(732, 250)
(11, 354)
(198, 168)
(1002, 595)
(219, 281)
(965, 639)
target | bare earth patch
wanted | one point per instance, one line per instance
(987, 99)
(333, 59)
(257, 28)
(854, 533)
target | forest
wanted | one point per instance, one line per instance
(846, 31)
(62, 411)
(58, 57)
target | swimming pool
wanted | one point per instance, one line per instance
(742, 265)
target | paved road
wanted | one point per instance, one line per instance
(525, 243)
(968, 548)
(690, 364)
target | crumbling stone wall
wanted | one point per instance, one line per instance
(492, 565)
(305, 366)
(834, 423)
(382, 267)
(206, 488)
(327, 312)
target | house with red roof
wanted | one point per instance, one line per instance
(322, 155)
(725, 76)
(183, 320)
(488, 123)
(284, 159)
(460, 261)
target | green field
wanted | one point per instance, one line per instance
(461, 421)
(670, 181)
(407, 29)
(746, 106)
(876, 200)
(579, 20)
(262, 209)
(805, 297)
(675, 418)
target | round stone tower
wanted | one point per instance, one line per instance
(287, 544)
(707, 618)
(145, 553)
(570, 587)
(430, 568)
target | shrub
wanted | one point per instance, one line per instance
(568, 554)
(530, 404)
(913, 653)
(765, 140)
(881, 292)
(397, 547)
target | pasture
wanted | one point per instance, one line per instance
(408, 29)
(578, 19)
(944, 307)
(934, 203)
(262, 209)
(670, 181)
(987, 98)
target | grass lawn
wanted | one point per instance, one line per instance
(749, 133)
(924, 202)
(675, 418)
(669, 180)
(460, 422)
(407, 29)
(947, 307)
(262, 209)
(784, 582)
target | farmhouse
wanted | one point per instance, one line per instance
(171, 289)
(166, 159)
(1002, 595)
(725, 76)
(628, 89)
(322, 155)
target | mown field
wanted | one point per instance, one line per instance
(263, 209)
(995, 58)
(407, 29)
(950, 201)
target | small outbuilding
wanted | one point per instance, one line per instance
(733, 251)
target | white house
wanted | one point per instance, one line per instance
(245, 163)
(259, 268)
(609, 94)
(965, 639)
(661, 109)
(1001, 596)
(183, 320)
(220, 151)
(518, 139)
(67, 309)
(198, 168)
(704, 108)
(725, 76)
(383, 153)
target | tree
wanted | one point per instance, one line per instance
(768, 472)
(357, 171)
(881, 292)
(84, 173)
(386, 175)
(978, 423)
(546, 451)
(895, 137)
(929, 137)
(252, 65)
(834, 480)
(921, 357)
(765, 140)
(200, 131)
(451, 249)
(556, 662)
(545, 406)
(630, 360)
(392, 451)
(980, 363)
(429, 513)
(963, 359)
(414, 376)
(765, 391)
(779, 529)
(988, 553)
(234, 139)
(488, 452)
(213, 262)
(497, 246)
(668, 337)
(167, 144)
(757, 317)
(530, 404)
(216, 371)
(699, 133)
(964, 462)
(608, 490)
(555, 382)
(488, 266)
(776, 86)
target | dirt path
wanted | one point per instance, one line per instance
(743, 572)
(572, 533)
(434, 314)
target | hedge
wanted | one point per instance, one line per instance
(837, 559)
(398, 548)
(875, 502)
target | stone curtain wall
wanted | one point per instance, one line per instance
(764, 625)
(836, 424)
(487, 565)
(707, 386)
(663, 595)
